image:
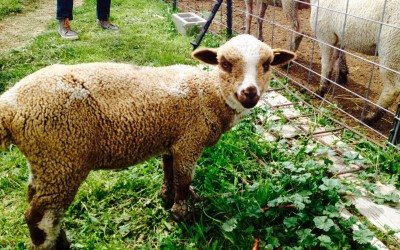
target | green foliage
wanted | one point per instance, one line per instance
(290, 203)
(9, 7)
(386, 161)
(253, 188)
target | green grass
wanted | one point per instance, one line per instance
(10, 7)
(273, 191)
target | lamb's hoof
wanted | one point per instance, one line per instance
(342, 79)
(374, 117)
(181, 212)
(369, 120)
(62, 241)
(167, 196)
(321, 92)
(294, 47)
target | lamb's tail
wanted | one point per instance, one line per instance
(5, 119)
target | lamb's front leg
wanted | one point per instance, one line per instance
(294, 45)
(327, 61)
(184, 162)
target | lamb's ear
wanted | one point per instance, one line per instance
(282, 56)
(206, 55)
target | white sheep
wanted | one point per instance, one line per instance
(361, 35)
(290, 10)
(69, 120)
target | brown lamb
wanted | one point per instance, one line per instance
(69, 120)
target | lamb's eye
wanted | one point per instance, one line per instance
(227, 66)
(266, 66)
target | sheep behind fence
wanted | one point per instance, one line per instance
(360, 26)
(351, 101)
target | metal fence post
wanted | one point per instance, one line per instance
(394, 137)
(229, 17)
(174, 4)
(207, 25)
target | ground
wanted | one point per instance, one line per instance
(18, 30)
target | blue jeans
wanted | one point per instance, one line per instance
(64, 9)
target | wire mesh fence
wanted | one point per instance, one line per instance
(348, 52)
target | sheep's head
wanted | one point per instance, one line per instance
(244, 68)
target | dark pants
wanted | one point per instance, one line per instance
(64, 9)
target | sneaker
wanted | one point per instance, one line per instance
(107, 25)
(65, 30)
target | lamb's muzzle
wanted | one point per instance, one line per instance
(71, 119)
(249, 97)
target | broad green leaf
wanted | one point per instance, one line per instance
(363, 236)
(330, 184)
(290, 221)
(229, 225)
(325, 241)
(323, 222)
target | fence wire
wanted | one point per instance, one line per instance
(366, 32)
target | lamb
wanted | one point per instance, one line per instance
(69, 120)
(290, 9)
(361, 36)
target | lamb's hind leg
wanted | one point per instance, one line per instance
(343, 69)
(249, 13)
(262, 7)
(49, 198)
(167, 191)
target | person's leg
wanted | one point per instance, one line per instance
(64, 15)
(64, 9)
(103, 15)
(103, 9)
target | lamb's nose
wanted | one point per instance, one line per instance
(250, 92)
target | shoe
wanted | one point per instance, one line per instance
(107, 25)
(65, 30)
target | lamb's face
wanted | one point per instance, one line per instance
(244, 69)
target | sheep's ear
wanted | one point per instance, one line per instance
(282, 56)
(206, 55)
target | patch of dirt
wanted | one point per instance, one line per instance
(301, 75)
(18, 30)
